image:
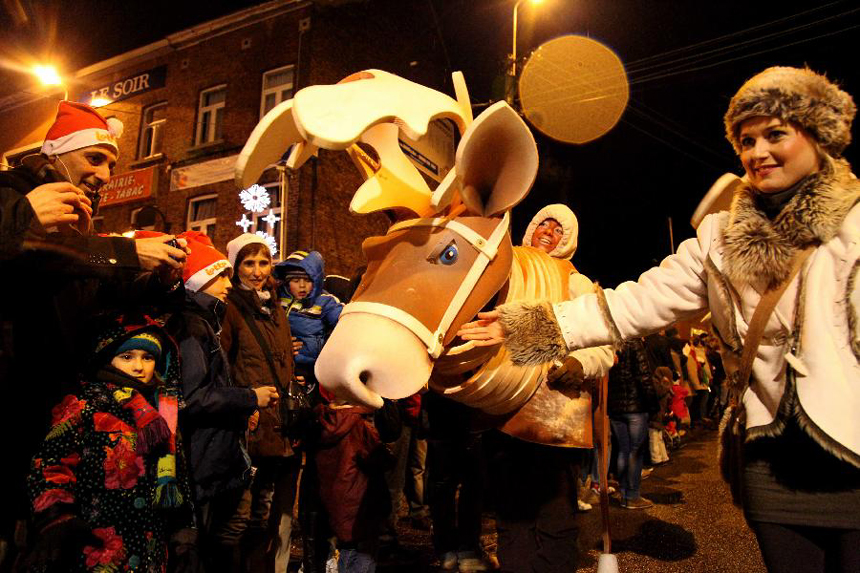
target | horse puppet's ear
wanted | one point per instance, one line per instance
(496, 161)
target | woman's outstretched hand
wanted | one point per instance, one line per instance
(486, 331)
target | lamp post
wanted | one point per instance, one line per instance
(49, 76)
(510, 80)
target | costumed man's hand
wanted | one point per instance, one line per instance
(566, 375)
(254, 421)
(486, 331)
(59, 545)
(156, 254)
(61, 204)
(297, 345)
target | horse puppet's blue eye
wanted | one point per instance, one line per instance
(449, 255)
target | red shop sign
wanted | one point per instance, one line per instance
(130, 186)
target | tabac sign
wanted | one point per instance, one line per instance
(128, 187)
(126, 87)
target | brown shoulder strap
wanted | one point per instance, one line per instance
(759, 320)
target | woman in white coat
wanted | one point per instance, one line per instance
(801, 475)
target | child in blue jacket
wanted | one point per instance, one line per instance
(313, 312)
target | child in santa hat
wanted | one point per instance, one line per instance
(216, 414)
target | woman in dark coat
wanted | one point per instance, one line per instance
(256, 338)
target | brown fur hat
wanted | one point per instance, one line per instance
(796, 95)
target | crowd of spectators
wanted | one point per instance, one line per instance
(166, 416)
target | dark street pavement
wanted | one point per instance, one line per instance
(692, 528)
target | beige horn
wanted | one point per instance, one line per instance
(275, 133)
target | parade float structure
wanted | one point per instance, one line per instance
(448, 255)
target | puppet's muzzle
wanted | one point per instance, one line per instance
(369, 357)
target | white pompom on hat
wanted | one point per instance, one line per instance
(78, 125)
(234, 246)
(569, 224)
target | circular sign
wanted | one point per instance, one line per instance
(573, 89)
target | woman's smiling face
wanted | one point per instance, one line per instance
(547, 235)
(775, 154)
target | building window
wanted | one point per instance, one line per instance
(152, 130)
(277, 88)
(259, 222)
(202, 214)
(210, 115)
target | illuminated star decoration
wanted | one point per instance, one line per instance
(244, 222)
(270, 241)
(271, 219)
(255, 198)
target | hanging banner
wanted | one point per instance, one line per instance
(128, 187)
(212, 171)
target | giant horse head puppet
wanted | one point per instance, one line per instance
(438, 266)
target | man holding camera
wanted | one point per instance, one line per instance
(57, 275)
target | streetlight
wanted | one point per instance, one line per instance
(49, 76)
(512, 73)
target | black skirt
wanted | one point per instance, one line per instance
(792, 480)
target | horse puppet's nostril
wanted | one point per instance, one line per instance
(364, 376)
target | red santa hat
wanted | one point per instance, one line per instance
(78, 125)
(204, 263)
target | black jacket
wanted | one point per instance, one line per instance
(631, 386)
(216, 412)
(51, 288)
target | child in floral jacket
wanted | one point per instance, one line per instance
(108, 486)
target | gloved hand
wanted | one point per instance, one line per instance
(60, 544)
(566, 375)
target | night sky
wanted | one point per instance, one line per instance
(684, 60)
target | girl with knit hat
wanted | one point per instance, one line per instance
(216, 415)
(801, 466)
(108, 486)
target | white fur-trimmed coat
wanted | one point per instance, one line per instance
(735, 256)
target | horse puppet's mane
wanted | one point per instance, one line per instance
(486, 379)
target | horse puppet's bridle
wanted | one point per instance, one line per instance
(487, 250)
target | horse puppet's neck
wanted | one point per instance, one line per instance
(517, 399)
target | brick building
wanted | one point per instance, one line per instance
(190, 100)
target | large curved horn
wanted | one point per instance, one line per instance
(335, 116)
(267, 144)
(395, 182)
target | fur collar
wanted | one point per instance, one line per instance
(759, 250)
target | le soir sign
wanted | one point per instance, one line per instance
(126, 87)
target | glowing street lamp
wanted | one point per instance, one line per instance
(49, 76)
(512, 74)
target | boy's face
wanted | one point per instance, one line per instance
(219, 287)
(301, 287)
(138, 364)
